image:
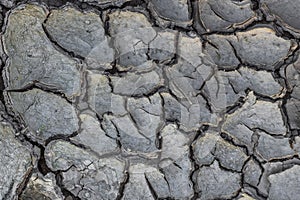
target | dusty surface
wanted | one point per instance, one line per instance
(150, 99)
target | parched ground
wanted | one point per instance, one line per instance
(150, 99)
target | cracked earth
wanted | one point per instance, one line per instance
(150, 99)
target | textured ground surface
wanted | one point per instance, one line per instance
(150, 99)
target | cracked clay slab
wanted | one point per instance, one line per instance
(149, 99)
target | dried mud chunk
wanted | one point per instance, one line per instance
(175, 162)
(32, 57)
(83, 34)
(99, 180)
(204, 148)
(261, 82)
(215, 183)
(254, 114)
(219, 91)
(43, 117)
(158, 182)
(8, 3)
(107, 3)
(252, 172)
(293, 112)
(100, 96)
(285, 185)
(136, 84)
(285, 11)
(177, 175)
(163, 47)
(131, 33)
(171, 10)
(224, 15)
(147, 114)
(93, 137)
(190, 116)
(270, 148)
(261, 47)
(292, 74)
(16, 162)
(85, 175)
(211, 147)
(137, 186)
(221, 51)
(191, 70)
(61, 155)
(175, 143)
(230, 156)
(224, 89)
(130, 136)
(42, 187)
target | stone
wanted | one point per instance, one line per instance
(32, 58)
(45, 118)
(84, 35)
(215, 183)
(16, 162)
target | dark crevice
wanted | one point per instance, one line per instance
(59, 181)
(255, 5)
(40, 86)
(122, 186)
(193, 173)
(153, 192)
(41, 163)
(61, 137)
